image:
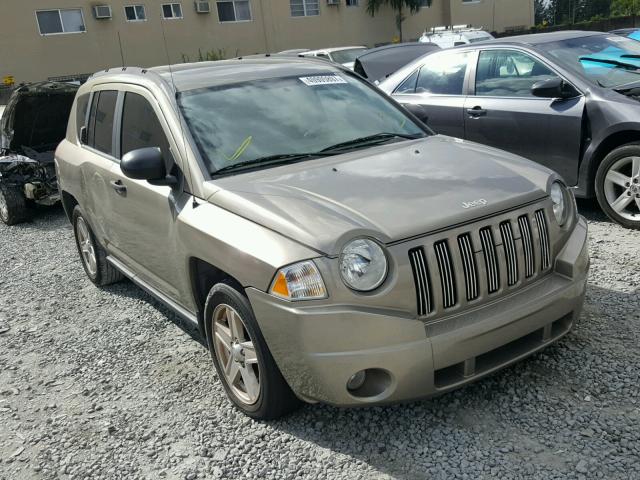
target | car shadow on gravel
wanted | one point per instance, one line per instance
(128, 289)
(589, 209)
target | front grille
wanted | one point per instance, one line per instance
(491, 258)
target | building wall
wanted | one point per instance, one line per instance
(29, 56)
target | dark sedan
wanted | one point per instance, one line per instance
(568, 100)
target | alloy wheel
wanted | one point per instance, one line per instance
(236, 354)
(86, 246)
(622, 187)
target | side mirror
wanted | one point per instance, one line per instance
(147, 164)
(553, 88)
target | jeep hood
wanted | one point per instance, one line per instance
(391, 192)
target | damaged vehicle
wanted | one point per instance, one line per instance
(568, 100)
(327, 245)
(33, 123)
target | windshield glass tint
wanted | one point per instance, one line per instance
(347, 56)
(599, 58)
(246, 121)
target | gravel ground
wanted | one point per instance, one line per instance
(105, 384)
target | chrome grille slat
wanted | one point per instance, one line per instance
(491, 259)
(470, 268)
(543, 232)
(421, 278)
(510, 252)
(445, 267)
(527, 244)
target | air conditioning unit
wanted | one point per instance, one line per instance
(102, 11)
(202, 7)
(333, 2)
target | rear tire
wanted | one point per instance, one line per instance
(618, 185)
(92, 255)
(244, 355)
(13, 205)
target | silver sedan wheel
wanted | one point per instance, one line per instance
(622, 187)
(86, 246)
(236, 354)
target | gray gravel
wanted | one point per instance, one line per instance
(104, 384)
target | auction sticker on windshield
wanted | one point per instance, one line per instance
(322, 80)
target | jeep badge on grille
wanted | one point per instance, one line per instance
(474, 203)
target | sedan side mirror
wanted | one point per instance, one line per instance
(147, 164)
(553, 88)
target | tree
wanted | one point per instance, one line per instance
(398, 6)
(625, 7)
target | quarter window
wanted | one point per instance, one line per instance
(51, 22)
(304, 8)
(507, 73)
(101, 121)
(81, 112)
(235, 11)
(443, 74)
(141, 127)
(135, 13)
(171, 11)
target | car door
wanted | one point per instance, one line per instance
(96, 137)
(144, 216)
(435, 92)
(501, 111)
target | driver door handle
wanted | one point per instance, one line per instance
(119, 187)
(476, 112)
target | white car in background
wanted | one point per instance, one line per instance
(345, 56)
(447, 37)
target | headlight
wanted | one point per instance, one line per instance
(363, 265)
(300, 281)
(560, 198)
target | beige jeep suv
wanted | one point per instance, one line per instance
(329, 246)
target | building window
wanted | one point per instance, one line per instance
(234, 11)
(304, 8)
(352, 3)
(425, 3)
(135, 13)
(51, 22)
(171, 11)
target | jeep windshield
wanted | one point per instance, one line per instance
(606, 60)
(269, 122)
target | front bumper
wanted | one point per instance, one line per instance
(319, 347)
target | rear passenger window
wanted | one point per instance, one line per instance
(81, 111)
(101, 120)
(141, 127)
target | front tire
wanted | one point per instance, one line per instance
(618, 185)
(13, 205)
(241, 357)
(92, 255)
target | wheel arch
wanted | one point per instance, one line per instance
(606, 146)
(203, 277)
(69, 202)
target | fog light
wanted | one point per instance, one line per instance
(356, 380)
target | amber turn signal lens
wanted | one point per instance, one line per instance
(300, 281)
(280, 286)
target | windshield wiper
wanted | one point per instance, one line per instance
(615, 63)
(630, 55)
(376, 138)
(270, 160)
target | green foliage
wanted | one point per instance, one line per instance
(208, 56)
(622, 8)
(398, 6)
(559, 12)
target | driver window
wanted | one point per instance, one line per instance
(507, 73)
(141, 128)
